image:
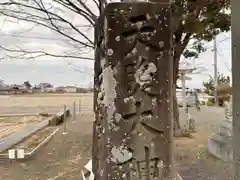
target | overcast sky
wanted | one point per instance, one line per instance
(60, 71)
(206, 61)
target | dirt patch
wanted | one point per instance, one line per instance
(41, 101)
(60, 157)
(192, 147)
(33, 141)
(193, 160)
(8, 119)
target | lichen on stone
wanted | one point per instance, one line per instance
(144, 75)
(120, 154)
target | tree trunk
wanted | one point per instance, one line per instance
(176, 124)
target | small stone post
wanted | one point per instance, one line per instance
(235, 27)
(133, 104)
(74, 110)
(220, 145)
(79, 106)
(64, 120)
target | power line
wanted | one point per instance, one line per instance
(227, 38)
(215, 70)
(213, 48)
(218, 42)
(210, 47)
(224, 62)
(75, 68)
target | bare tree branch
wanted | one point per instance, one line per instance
(36, 54)
(41, 13)
(54, 28)
(67, 22)
(53, 18)
(89, 17)
(93, 16)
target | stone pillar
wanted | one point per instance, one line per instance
(133, 102)
(235, 27)
(220, 145)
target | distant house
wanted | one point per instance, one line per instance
(82, 90)
(48, 90)
(6, 90)
(22, 88)
(1, 83)
(203, 97)
(67, 89)
(70, 89)
(14, 88)
(59, 89)
(44, 87)
(36, 89)
(28, 86)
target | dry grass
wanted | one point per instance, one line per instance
(41, 100)
(10, 125)
(31, 142)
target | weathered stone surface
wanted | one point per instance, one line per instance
(221, 149)
(225, 128)
(133, 92)
(220, 145)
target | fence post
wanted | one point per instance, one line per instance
(74, 110)
(79, 106)
(64, 119)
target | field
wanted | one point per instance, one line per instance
(10, 125)
(30, 104)
(64, 157)
(42, 102)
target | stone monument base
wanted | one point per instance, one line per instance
(220, 150)
(220, 145)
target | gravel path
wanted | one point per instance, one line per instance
(193, 160)
(67, 154)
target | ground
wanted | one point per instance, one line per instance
(193, 160)
(10, 125)
(65, 155)
(42, 102)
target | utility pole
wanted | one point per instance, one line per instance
(215, 71)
